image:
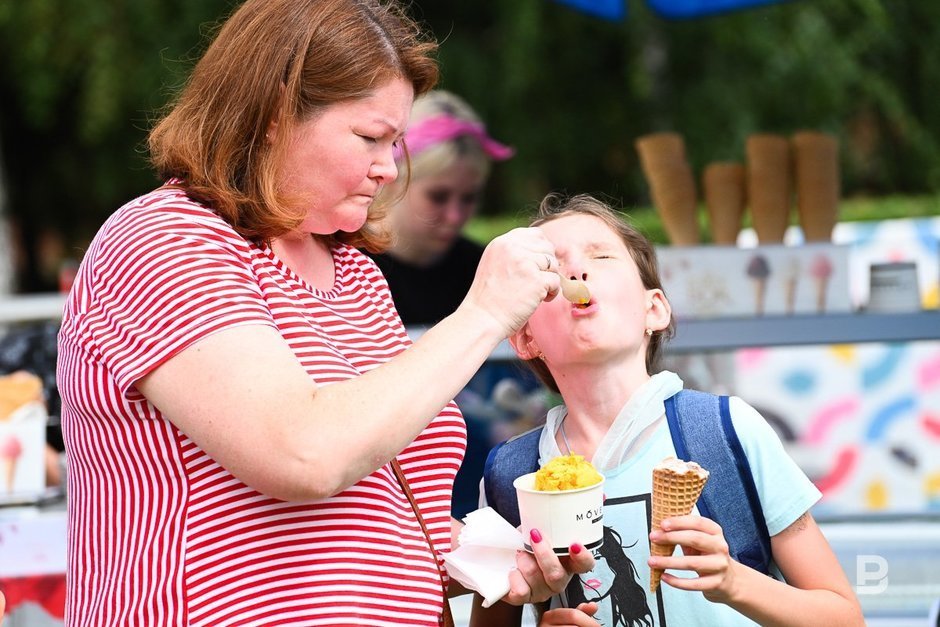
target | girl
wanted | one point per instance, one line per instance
(600, 357)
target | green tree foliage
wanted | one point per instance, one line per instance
(573, 92)
(82, 80)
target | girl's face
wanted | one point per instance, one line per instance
(337, 161)
(613, 325)
(429, 219)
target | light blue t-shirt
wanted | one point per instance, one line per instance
(620, 581)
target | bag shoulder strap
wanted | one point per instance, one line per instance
(513, 458)
(702, 431)
(447, 619)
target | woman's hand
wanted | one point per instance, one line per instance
(580, 616)
(515, 274)
(542, 574)
(704, 551)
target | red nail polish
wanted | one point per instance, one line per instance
(535, 535)
(574, 549)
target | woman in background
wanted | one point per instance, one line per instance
(430, 265)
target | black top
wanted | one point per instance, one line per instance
(424, 296)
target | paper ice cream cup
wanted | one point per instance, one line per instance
(562, 517)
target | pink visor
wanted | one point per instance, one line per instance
(441, 128)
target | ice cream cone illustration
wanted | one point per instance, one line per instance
(759, 270)
(724, 189)
(768, 185)
(676, 487)
(790, 282)
(816, 166)
(821, 270)
(10, 451)
(672, 186)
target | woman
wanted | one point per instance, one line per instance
(235, 380)
(447, 164)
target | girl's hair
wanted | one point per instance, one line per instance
(282, 62)
(555, 206)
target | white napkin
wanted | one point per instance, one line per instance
(486, 554)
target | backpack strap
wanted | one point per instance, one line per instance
(702, 431)
(513, 458)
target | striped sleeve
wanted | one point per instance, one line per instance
(166, 278)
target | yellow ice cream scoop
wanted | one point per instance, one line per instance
(568, 472)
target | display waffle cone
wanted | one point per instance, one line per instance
(768, 186)
(674, 494)
(816, 165)
(724, 189)
(672, 185)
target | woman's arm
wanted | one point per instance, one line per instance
(816, 591)
(243, 397)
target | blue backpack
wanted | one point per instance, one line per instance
(701, 430)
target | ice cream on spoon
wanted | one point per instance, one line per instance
(574, 290)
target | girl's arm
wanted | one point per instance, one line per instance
(816, 591)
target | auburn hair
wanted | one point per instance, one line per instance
(282, 62)
(555, 206)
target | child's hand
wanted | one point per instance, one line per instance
(704, 551)
(577, 617)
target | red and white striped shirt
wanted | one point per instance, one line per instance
(159, 533)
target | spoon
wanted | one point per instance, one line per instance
(575, 291)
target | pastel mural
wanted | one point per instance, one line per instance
(863, 421)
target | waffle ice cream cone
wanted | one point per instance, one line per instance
(676, 487)
(816, 165)
(724, 189)
(672, 185)
(768, 186)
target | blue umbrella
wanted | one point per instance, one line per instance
(673, 9)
